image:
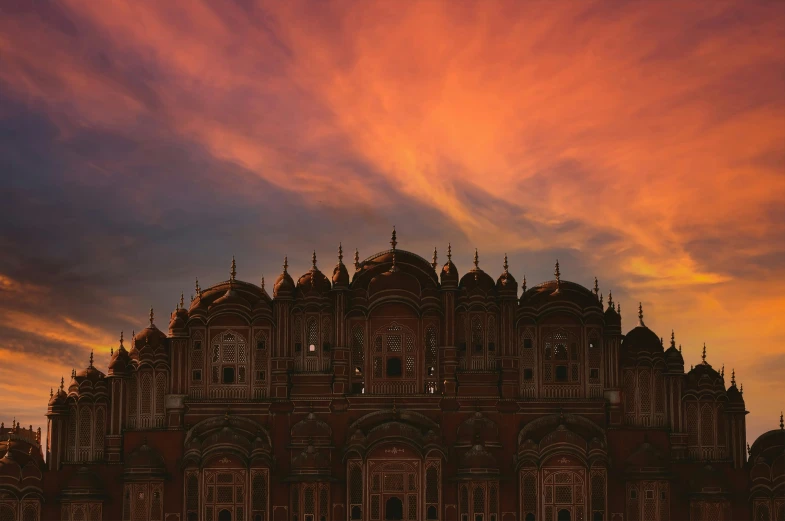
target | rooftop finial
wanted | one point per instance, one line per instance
(182, 301)
(596, 287)
(234, 270)
(557, 273)
(741, 388)
(523, 285)
(393, 242)
(263, 282)
(91, 358)
(313, 260)
(285, 264)
(601, 300)
(679, 348)
(393, 268)
(733, 377)
(198, 289)
(51, 392)
(640, 314)
(340, 253)
(152, 316)
(62, 383)
(356, 259)
(610, 300)
(782, 424)
(618, 308)
(449, 252)
(748, 448)
(73, 373)
(435, 262)
(505, 265)
(476, 259)
(703, 356)
(673, 339)
(121, 338)
(111, 352)
(722, 371)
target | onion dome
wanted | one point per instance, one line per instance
(59, 397)
(231, 296)
(673, 356)
(83, 485)
(314, 281)
(641, 338)
(120, 359)
(704, 377)
(179, 316)
(284, 285)
(144, 462)
(449, 275)
(476, 280)
(612, 317)
(770, 445)
(506, 283)
(10, 469)
(733, 393)
(89, 373)
(150, 335)
(340, 273)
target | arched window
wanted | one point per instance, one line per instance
(297, 335)
(355, 490)
(358, 350)
(707, 425)
(85, 433)
(160, 395)
(477, 336)
(692, 424)
(146, 399)
(313, 337)
(431, 361)
(229, 365)
(394, 367)
(100, 431)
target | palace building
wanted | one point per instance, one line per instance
(399, 391)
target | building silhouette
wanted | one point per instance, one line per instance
(403, 391)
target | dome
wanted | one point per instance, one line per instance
(284, 285)
(734, 395)
(673, 356)
(704, 377)
(612, 317)
(506, 283)
(476, 280)
(89, 373)
(559, 292)
(150, 335)
(340, 273)
(58, 398)
(120, 361)
(9, 467)
(230, 297)
(449, 275)
(314, 281)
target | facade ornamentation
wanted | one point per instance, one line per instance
(400, 391)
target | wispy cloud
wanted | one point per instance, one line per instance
(146, 143)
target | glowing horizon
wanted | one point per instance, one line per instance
(144, 145)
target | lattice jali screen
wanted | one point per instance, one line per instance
(529, 492)
(598, 492)
(707, 426)
(31, 510)
(259, 492)
(358, 347)
(355, 492)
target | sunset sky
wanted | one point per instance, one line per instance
(142, 144)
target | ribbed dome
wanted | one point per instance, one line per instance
(734, 395)
(641, 338)
(231, 296)
(506, 283)
(150, 335)
(120, 359)
(58, 398)
(340, 276)
(704, 376)
(449, 275)
(557, 292)
(284, 285)
(476, 280)
(314, 281)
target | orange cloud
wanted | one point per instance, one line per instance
(531, 127)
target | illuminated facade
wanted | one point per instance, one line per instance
(402, 392)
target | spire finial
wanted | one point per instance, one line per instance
(449, 252)
(782, 424)
(610, 300)
(121, 338)
(152, 316)
(722, 371)
(601, 300)
(285, 264)
(393, 242)
(435, 262)
(233, 273)
(340, 253)
(262, 282)
(51, 392)
(91, 358)
(393, 268)
(182, 300)
(313, 260)
(596, 287)
(62, 383)
(557, 273)
(703, 356)
(356, 259)
(505, 265)
(476, 259)
(523, 285)
(73, 373)
(640, 314)
(618, 308)
(741, 388)
(733, 377)
(673, 339)
(679, 348)
(198, 289)
(748, 448)
(111, 352)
